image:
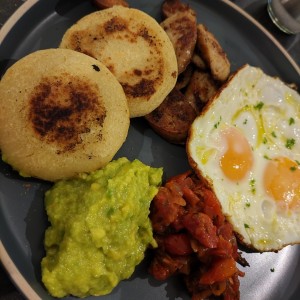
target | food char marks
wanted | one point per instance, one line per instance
(63, 108)
(141, 82)
(115, 24)
(143, 87)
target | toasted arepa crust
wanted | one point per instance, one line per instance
(135, 49)
(62, 112)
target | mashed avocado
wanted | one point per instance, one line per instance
(99, 228)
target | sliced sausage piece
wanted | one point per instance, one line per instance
(102, 4)
(200, 89)
(185, 77)
(198, 61)
(170, 7)
(213, 54)
(182, 31)
(173, 118)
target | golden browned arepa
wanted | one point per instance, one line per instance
(61, 113)
(135, 49)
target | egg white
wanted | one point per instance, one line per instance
(267, 112)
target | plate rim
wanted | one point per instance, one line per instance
(266, 32)
(15, 17)
(13, 272)
(26, 6)
(16, 276)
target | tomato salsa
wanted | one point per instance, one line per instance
(194, 239)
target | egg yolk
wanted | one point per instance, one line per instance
(282, 182)
(237, 160)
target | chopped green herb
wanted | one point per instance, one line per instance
(291, 121)
(274, 134)
(290, 143)
(243, 91)
(248, 204)
(265, 140)
(259, 105)
(246, 226)
(245, 121)
(252, 186)
(298, 162)
(293, 168)
(218, 123)
(267, 157)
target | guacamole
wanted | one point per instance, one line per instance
(99, 228)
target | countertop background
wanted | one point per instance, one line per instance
(256, 8)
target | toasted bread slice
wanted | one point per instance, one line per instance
(136, 50)
(62, 112)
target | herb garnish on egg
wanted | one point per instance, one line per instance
(251, 159)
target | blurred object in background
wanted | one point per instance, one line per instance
(285, 14)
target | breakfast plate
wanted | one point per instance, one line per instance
(40, 25)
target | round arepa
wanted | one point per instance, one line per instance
(61, 113)
(134, 47)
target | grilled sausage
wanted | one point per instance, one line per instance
(198, 61)
(185, 77)
(173, 118)
(213, 54)
(181, 28)
(102, 4)
(200, 89)
(171, 7)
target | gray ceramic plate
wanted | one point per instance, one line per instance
(41, 24)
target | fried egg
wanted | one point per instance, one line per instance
(246, 143)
